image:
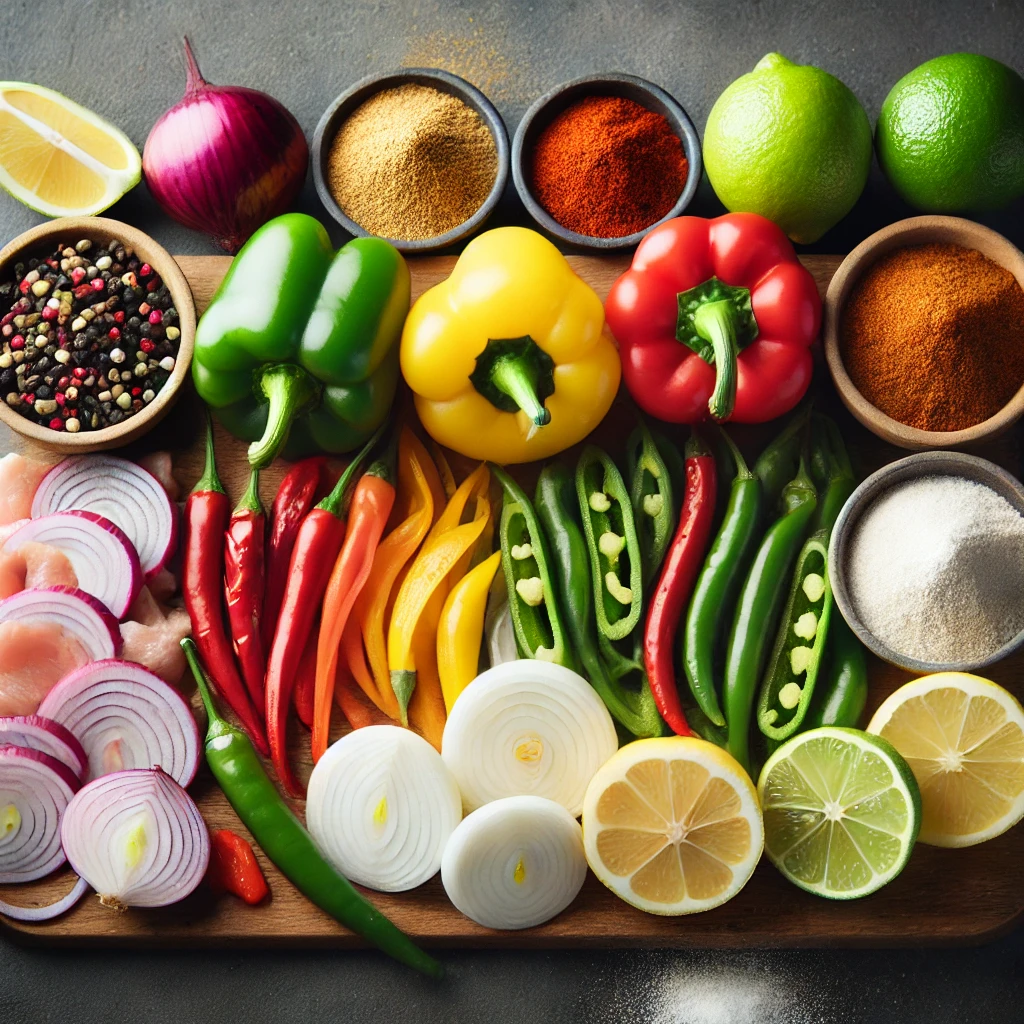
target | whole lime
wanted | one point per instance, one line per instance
(950, 135)
(791, 142)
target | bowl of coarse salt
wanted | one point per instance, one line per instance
(926, 562)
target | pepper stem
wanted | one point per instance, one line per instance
(290, 392)
(250, 501)
(335, 502)
(512, 376)
(403, 682)
(715, 323)
(209, 481)
(742, 469)
(216, 725)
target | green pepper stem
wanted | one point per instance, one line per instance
(511, 375)
(403, 682)
(715, 322)
(742, 469)
(216, 725)
(209, 481)
(250, 501)
(336, 502)
(290, 391)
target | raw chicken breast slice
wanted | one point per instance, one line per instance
(152, 636)
(19, 479)
(33, 658)
(160, 465)
(34, 566)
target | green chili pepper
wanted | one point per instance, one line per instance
(536, 617)
(558, 513)
(757, 609)
(831, 472)
(800, 644)
(611, 543)
(842, 689)
(653, 499)
(239, 773)
(723, 572)
(777, 464)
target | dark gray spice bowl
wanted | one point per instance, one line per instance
(348, 101)
(911, 468)
(549, 106)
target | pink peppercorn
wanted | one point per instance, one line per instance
(156, 317)
(80, 372)
(119, 316)
(113, 333)
(63, 382)
(136, 392)
(82, 291)
(24, 287)
(146, 345)
(56, 423)
(144, 308)
(29, 398)
(49, 313)
(145, 270)
(78, 275)
(153, 285)
(60, 398)
(98, 284)
(17, 342)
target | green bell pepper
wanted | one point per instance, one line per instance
(298, 350)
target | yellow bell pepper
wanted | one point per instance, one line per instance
(509, 358)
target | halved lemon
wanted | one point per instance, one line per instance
(59, 158)
(672, 825)
(963, 737)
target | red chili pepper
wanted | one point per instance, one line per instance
(294, 499)
(316, 547)
(202, 574)
(305, 680)
(675, 585)
(234, 868)
(715, 317)
(243, 586)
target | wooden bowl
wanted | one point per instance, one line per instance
(957, 464)
(550, 105)
(914, 231)
(40, 241)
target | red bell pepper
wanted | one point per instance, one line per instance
(715, 317)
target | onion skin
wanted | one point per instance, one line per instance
(224, 160)
(37, 732)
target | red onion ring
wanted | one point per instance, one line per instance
(51, 910)
(126, 717)
(120, 491)
(104, 559)
(79, 614)
(137, 838)
(48, 737)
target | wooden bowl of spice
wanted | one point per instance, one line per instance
(97, 326)
(419, 157)
(924, 333)
(601, 160)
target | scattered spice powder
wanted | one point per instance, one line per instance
(607, 167)
(933, 335)
(412, 162)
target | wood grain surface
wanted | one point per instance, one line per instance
(943, 897)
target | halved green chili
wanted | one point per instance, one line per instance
(842, 689)
(653, 499)
(611, 543)
(778, 463)
(536, 617)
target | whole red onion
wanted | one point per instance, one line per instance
(224, 159)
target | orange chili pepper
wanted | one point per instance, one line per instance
(234, 868)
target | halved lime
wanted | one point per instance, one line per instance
(841, 811)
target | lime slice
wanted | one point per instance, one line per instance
(59, 158)
(841, 812)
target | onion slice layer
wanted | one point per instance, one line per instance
(44, 734)
(79, 614)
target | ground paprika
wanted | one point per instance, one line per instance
(607, 167)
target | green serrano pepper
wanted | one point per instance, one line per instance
(676, 464)
(611, 543)
(723, 571)
(842, 689)
(239, 773)
(831, 472)
(757, 610)
(652, 496)
(778, 463)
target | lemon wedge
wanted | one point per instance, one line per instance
(59, 158)
(963, 737)
(672, 825)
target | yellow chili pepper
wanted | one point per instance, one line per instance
(509, 359)
(460, 630)
(444, 469)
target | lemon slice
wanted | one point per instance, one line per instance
(841, 812)
(963, 737)
(672, 825)
(59, 158)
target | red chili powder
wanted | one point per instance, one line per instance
(607, 167)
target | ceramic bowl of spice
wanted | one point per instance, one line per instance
(97, 326)
(926, 562)
(602, 159)
(924, 333)
(419, 157)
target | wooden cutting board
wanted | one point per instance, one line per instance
(943, 897)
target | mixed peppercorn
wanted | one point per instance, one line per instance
(90, 336)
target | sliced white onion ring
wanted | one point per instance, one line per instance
(137, 838)
(381, 806)
(527, 728)
(44, 734)
(515, 863)
(119, 491)
(79, 614)
(35, 791)
(104, 559)
(126, 717)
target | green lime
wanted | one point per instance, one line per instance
(950, 135)
(841, 811)
(791, 142)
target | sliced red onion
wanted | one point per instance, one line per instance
(104, 559)
(119, 491)
(137, 838)
(51, 910)
(79, 614)
(47, 736)
(35, 791)
(126, 717)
